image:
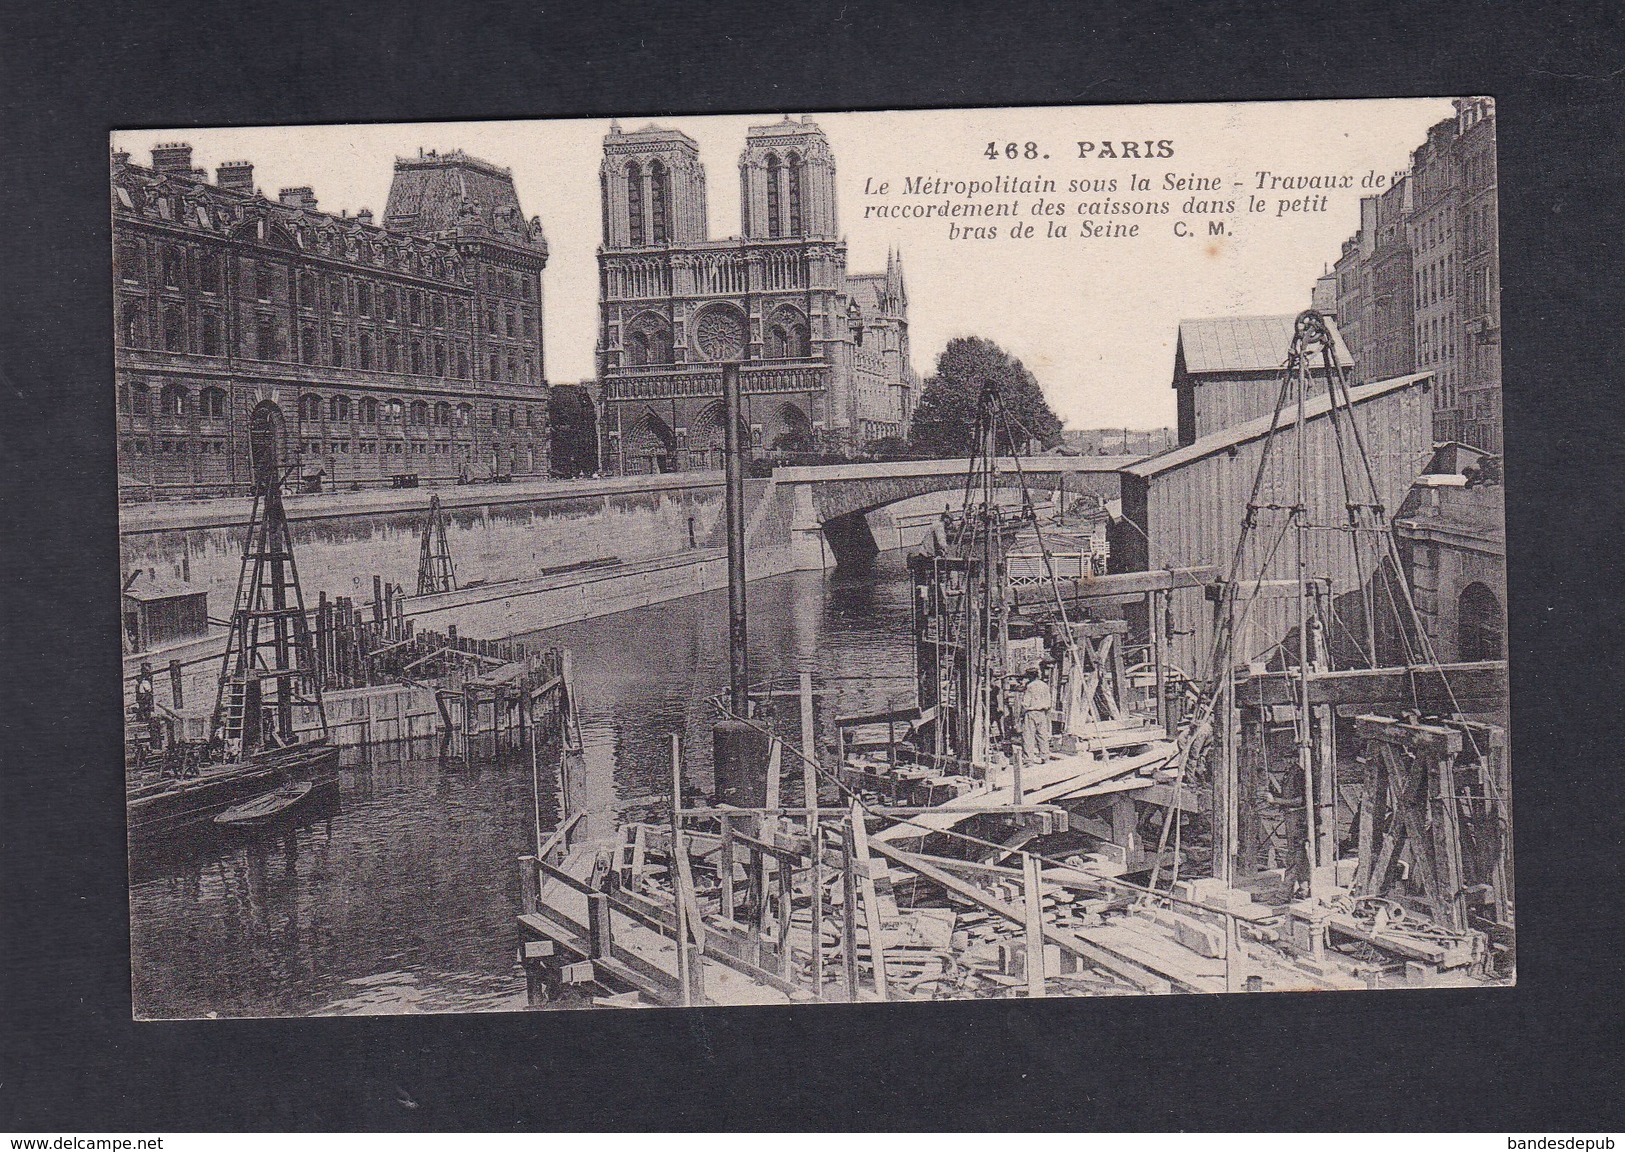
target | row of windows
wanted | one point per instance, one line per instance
(1436, 281)
(390, 355)
(1436, 339)
(138, 447)
(412, 305)
(174, 402)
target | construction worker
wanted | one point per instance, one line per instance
(144, 692)
(1036, 702)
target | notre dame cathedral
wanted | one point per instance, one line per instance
(825, 354)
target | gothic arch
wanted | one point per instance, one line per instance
(634, 203)
(793, 194)
(787, 334)
(660, 201)
(708, 438)
(649, 444)
(775, 226)
(648, 340)
(794, 432)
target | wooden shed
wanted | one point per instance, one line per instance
(1186, 507)
(1227, 370)
(158, 612)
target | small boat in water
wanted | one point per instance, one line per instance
(284, 803)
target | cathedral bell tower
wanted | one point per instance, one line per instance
(787, 182)
(653, 189)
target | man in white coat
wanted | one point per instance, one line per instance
(1036, 702)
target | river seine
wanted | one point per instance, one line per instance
(404, 900)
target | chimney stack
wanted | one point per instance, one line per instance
(235, 176)
(365, 216)
(172, 159)
(301, 197)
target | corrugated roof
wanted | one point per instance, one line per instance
(1259, 428)
(1243, 343)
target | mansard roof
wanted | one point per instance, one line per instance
(455, 195)
(187, 200)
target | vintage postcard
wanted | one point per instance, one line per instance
(1017, 552)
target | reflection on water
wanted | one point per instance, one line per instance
(404, 900)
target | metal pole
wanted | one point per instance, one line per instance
(1301, 518)
(684, 983)
(734, 510)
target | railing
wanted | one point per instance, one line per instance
(680, 381)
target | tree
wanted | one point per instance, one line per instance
(944, 424)
(575, 431)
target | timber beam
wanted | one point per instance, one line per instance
(1435, 686)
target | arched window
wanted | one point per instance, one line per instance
(1480, 625)
(496, 368)
(660, 202)
(496, 416)
(172, 402)
(462, 363)
(174, 329)
(513, 417)
(439, 359)
(394, 410)
(389, 303)
(465, 415)
(307, 344)
(366, 350)
(173, 268)
(338, 351)
(773, 168)
(211, 403)
(634, 202)
(417, 356)
(442, 414)
(649, 340)
(140, 399)
(134, 325)
(420, 413)
(369, 410)
(513, 368)
(786, 334)
(363, 296)
(310, 408)
(392, 354)
(794, 172)
(338, 409)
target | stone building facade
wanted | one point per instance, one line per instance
(825, 353)
(1419, 283)
(410, 347)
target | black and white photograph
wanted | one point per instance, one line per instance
(996, 553)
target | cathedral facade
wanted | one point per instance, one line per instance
(409, 347)
(824, 353)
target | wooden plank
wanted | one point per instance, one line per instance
(1482, 682)
(1120, 584)
(1033, 898)
(871, 907)
(1135, 973)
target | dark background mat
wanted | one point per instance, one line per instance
(1545, 1055)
